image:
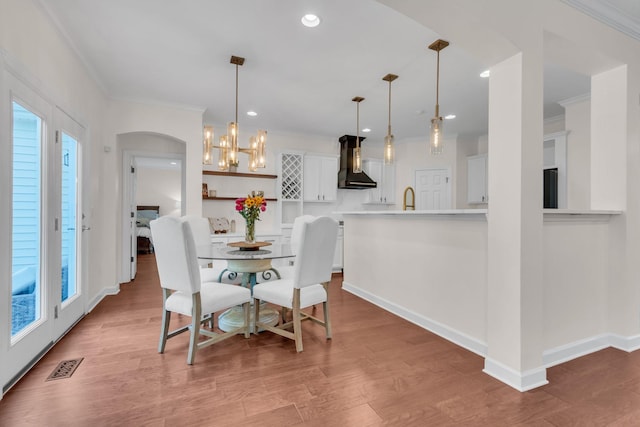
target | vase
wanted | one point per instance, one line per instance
(250, 231)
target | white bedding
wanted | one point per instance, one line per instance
(144, 232)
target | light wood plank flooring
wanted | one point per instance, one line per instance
(378, 370)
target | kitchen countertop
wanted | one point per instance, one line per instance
(557, 212)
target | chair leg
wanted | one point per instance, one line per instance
(166, 318)
(325, 306)
(247, 319)
(196, 314)
(297, 323)
(256, 315)
(164, 330)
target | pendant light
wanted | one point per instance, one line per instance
(389, 150)
(357, 158)
(228, 146)
(435, 143)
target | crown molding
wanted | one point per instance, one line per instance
(574, 100)
(609, 14)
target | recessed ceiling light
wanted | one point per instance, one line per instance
(450, 116)
(252, 113)
(174, 163)
(310, 20)
(485, 74)
(366, 130)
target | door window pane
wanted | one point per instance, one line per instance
(26, 231)
(69, 215)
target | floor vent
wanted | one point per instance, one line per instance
(65, 369)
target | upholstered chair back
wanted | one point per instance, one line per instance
(201, 233)
(314, 252)
(175, 254)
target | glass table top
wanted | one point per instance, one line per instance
(217, 251)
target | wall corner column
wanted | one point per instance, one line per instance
(515, 263)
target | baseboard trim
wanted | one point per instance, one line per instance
(628, 344)
(431, 325)
(105, 292)
(521, 381)
(567, 352)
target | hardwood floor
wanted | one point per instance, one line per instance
(377, 370)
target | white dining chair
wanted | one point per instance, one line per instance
(309, 284)
(183, 291)
(216, 272)
(286, 271)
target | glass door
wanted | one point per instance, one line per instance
(68, 298)
(41, 275)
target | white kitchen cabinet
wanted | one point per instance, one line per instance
(320, 178)
(477, 179)
(289, 207)
(385, 178)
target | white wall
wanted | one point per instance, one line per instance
(578, 123)
(159, 187)
(36, 51)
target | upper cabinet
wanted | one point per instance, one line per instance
(477, 179)
(385, 178)
(320, 181)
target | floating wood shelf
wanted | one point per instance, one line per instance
(240, 174)
(234, 198)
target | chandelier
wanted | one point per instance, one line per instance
(228, 148)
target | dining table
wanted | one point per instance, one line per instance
(250, 261)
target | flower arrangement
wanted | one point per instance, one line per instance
(250, 207)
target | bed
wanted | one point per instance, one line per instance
(144, 215)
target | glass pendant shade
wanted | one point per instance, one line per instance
(389, 151)
(357, 159)
(207, 146)
(232, 139)
(223, 153)
(435, 144)
(253, 157)
(261, 149)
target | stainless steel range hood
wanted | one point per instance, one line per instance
(346, 177)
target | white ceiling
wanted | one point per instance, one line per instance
(298, 79)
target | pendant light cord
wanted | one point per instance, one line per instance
(358, 124)
(438, 85)
(236, 100)
(389, 127)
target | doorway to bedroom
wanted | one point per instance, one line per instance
(153, 185)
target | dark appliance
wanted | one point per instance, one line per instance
(347, 178)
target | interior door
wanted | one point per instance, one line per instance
(133, 230)
(433, 189)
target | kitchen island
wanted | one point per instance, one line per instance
(431, 268)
